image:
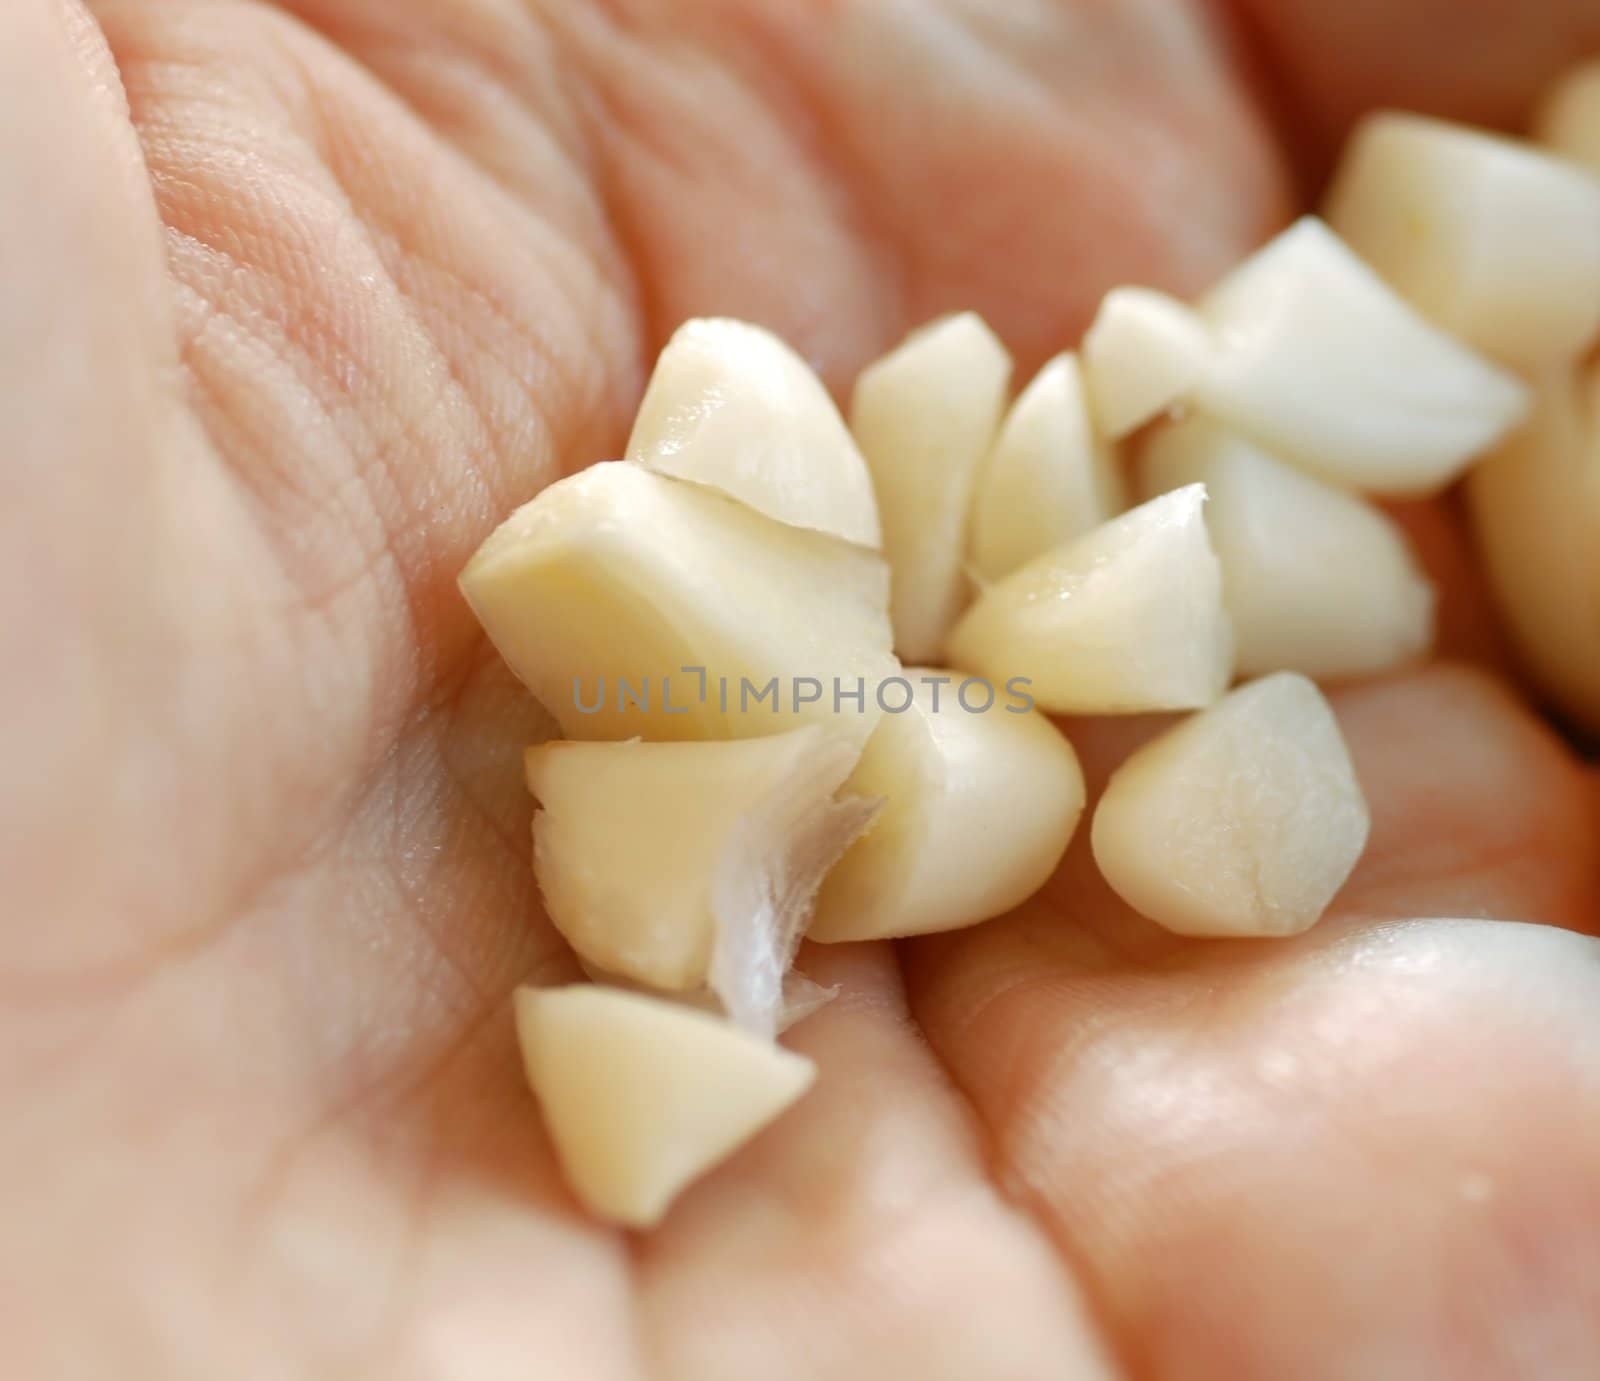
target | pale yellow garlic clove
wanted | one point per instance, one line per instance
(1490, 238)
(925, 417)
(1568, 119)
(732, 406)
(1317, 580)
(643, 1096)
(681, 865)
(979, 807)
(1048, 477)
(1124, 619)
(1144, 354)
(1535, 506)
(615, 580)
(1321, 363)
(1244, 820)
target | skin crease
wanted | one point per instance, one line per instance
(330, 287)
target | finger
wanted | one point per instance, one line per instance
(1166, 1105)
(862, 1237)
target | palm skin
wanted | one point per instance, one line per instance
(358, 276)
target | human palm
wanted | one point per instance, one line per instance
(358, 277)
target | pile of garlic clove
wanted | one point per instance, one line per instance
(804, 667)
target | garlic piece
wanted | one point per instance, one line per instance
(642, 1096)
(1568, 120)
(925, 416)
(1316, 580)
(1489, 238)
(1144, 354)
(1124, 619)
(619, 580)
(980, 806)
(1319, 362)
(732, 406)
(1243, 820)
(683, 864)
(1047, 479)
(1535, 506)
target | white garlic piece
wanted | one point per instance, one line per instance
(980, 805)
(1323, 365)
(1048, 477)
(925, 417)
(642, 1096)
(1244, 820)
(732, 406)
(1568, 119)
(683, 865)
(1127, 618)
(1144, 354)
(1317, 580)
(634, 605)
(1489, 238)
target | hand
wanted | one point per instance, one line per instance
(359, 276)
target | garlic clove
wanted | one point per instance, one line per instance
(1489, 238)
(1535, 506)
(1316, 580)
(979, 807)
(1568, 119)
(1321, 364)
(1244, 820)
(1048, 477)
(642, 1096)
(723, 847)
(618, 585)
(925, 416)
(1124, 619)
(1144, 354)
(730, 405)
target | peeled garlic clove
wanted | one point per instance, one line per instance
(1319, 362)
(1487, 237)
(1048, 477)
(1568, 120)
(925, 416)
(802, 996)
(1125, 619)
(1535, 506)
(1144, 354)
(732, 406)
(979, 807)
(637, 605)
(642, 1096)
(685, 864)
(1244, 820)
(1316, 580)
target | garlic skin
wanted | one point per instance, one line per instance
(1489, 238)
(618, 573)
(1048, 477)
(1144, 354)
(802, 996)
(1316, 580)
(642, 1096)
(1244, 820)
(1535, 506)
(979, 808)
(1124, 619)
(682, 865)
(1320, 363)
(730, 405)
(1568, 119)
(925, 416)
